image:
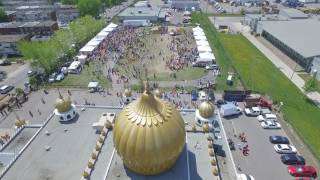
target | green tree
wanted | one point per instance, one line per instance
(69, 2)
(89, 7)
(3, 15)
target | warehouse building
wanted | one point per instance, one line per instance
(188, 5)
(8, 44)
(145, 14)
(298, 39)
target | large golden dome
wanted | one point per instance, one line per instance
(206, 109)
(149, 135)
(63, 104)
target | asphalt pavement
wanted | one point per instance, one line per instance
(263, 163)
(16, 77)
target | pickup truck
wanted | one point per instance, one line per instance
(254, 111)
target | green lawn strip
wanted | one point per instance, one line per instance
(307, 77)
(221, 55)
(264, 77)
(82, 80)
(259, 74)
(190, 73)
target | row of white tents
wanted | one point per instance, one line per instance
(95, 42)
(205, 52)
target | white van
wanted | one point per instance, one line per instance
(75, 67)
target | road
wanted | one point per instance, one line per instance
(16, 76)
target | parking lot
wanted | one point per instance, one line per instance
(262, 162)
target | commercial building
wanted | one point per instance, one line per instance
(293, 32)
(8, 44)
(300, 39)
(188, 5)
(36, 13)
(66, 14)
(140, 13)
(32, 28)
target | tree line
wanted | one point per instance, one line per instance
(47, 56)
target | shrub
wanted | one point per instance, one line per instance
(213, 162)
(94, 155)
(98, 147)
(85, 174)
(215, 171)
(211, 153)
(90, 165)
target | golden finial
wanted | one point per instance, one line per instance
(146, 87)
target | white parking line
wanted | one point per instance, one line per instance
(109, 164)
(188, 166)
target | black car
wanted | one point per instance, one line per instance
(278, 140)
(290, 159)
(220, 102)
(5, 89)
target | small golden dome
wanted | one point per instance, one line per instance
(149, 135)
(158, 93)
(63, 104)
(127, 93)
(206, 109)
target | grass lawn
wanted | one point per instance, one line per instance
(307, 77)
(222, 58)
(189, 73)
(259, 74)
(82, 80)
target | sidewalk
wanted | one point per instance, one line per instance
(285, 69)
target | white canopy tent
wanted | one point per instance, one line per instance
(198, 33)
(94, 42)
(200, 38)
(112, 25)
(197, 29)
(103, 34)
(202, 43)
(204, 49)
(87, 49)
(206, 56)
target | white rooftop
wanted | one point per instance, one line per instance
(300, 35)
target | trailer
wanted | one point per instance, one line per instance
(238, 96)
(257, 100)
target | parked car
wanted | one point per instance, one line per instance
(302, 170)
(52, 78)
(194, 95)
(292, 159)
(5, 89)
(267, 117)
(245, 177)
(254, 111)
(220, 102)
(212, 67)
(5, 62)
(202, 95)
(278, 140)
(60, 77)
(285, 149)
(31, 73)
(270, 125)
(211, 96)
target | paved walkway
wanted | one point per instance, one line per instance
(285, 69)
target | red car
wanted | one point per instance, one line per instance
(302, 171)
(304, 178)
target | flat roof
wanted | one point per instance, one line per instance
(12, 38)
(134, 11)
(300, 35)
(293, 13)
